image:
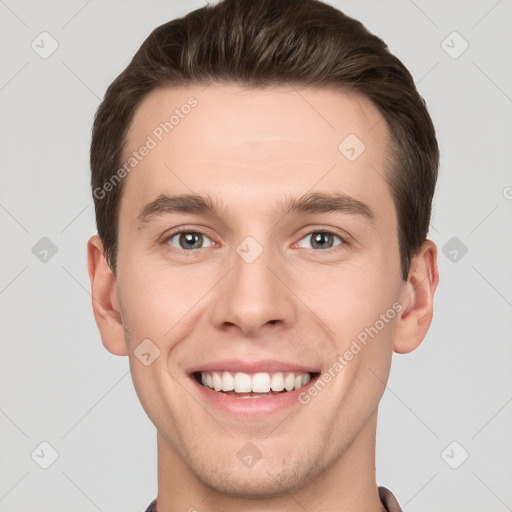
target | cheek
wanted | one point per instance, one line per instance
(148, 305)
(349, 298)
(158, 301)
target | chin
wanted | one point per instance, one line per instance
(266, 479)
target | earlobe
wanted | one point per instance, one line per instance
(105, 300)
(417, 299)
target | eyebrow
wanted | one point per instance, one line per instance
(314, 202)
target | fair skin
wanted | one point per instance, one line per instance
(297, 306)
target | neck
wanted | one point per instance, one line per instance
(348, 485)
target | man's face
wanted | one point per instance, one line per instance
(251, 288)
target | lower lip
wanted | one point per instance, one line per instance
(251, 406)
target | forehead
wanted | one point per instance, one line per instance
(256, 143)
(226, 114)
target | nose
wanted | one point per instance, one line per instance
(254, 295)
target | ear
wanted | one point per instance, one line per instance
(105, 302)
(417, 299)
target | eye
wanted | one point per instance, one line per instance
(321, 240)
(187, 240)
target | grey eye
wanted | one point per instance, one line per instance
(320, 240)
(188, 240)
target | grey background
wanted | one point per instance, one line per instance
(59, 385)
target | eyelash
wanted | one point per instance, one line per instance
(315, 231)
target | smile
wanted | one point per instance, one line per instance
(246, 385)
(257, 388)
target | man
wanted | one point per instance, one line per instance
(263, 173)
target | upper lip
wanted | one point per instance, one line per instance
(261, 366)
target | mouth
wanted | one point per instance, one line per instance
(243, 385)
(255, 389)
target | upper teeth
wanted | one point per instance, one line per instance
(258, 383)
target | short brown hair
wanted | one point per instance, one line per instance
(261, 43)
